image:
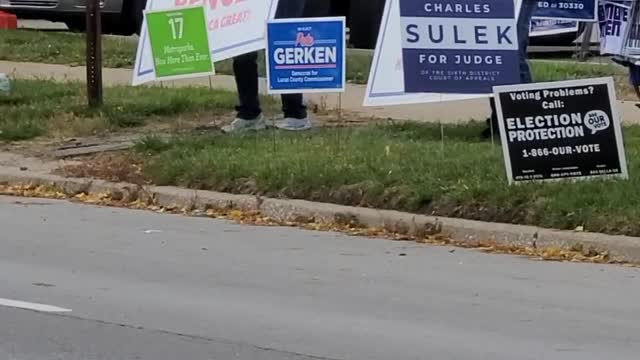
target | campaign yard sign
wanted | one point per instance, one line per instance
(613, 20)
(450, 46)
(386, 76)
(631, 45)
(179, 43)
(560, 130)
(234, 27)
(306, 55)
(580, 10)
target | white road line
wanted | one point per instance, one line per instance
(31, 306)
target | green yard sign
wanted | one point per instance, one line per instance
(179, 43)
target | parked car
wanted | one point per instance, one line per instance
(124, 17)
(120, 17)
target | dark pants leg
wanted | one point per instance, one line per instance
(292, 104)
(524, 19)
(245, 68)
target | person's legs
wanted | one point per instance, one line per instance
(290, 9)
(492, 121)
(295, 113)
(523, 24)
(293, 106)
(634, 79)
(524, 21)
(245, 68)
(249, 114)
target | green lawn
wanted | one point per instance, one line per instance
(403, 167)
(56, 47)
(40, 107)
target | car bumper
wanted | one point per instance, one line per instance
(54, 8)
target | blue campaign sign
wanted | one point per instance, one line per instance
(461, 48)
(306, 55)
(584, 10)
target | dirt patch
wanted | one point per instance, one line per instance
(45, 146)
(481, 212)
(122, 167)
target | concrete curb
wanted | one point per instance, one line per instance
(620, 248)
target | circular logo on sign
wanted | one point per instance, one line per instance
(596, 120)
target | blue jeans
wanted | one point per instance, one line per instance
(526, 12)
(524, 20)
(245, 68)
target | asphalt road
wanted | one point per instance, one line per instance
(141, 285)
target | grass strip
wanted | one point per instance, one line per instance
(42, 107)
(405, 167)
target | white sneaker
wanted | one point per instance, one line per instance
(240, 125)
(292, 124)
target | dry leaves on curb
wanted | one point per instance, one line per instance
(576, 254)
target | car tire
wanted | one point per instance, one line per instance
(365, 22)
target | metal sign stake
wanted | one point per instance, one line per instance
(94, 54)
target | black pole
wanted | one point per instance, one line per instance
(94, 54)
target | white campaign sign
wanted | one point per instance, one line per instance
(235, 27)
(386, 77)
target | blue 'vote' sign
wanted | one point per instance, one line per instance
(306, 55)
(454, 47)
